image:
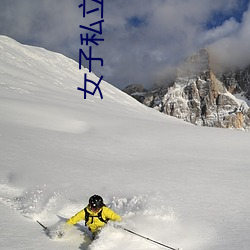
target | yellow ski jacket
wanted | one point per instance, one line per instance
(94, 223)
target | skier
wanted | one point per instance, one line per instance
(95, 214)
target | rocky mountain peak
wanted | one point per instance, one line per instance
(202, 97)
(196, 64)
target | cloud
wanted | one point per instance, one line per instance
(144, 39)
(233, 49)
(228, 28)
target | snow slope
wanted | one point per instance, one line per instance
(176, 183)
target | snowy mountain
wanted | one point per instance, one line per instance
(237, 81)
(182, 185)
(201, 96)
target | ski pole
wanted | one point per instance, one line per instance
(45, 228)
(146, 238)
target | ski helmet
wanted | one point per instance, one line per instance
(95, 202)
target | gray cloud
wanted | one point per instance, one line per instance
(144, 39)
(233, 49)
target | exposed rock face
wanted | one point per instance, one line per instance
(137, 91)
(237, 81)
(199, 97)
(134, 88)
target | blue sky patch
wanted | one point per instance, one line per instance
(136, 21)
(219, 17)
